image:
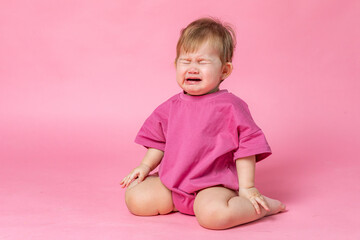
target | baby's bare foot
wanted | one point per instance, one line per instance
(275, 206)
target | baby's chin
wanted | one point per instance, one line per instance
(199, 92)
(192, 92)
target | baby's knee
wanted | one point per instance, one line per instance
(212, 216)
(135, 202)
(143, 202)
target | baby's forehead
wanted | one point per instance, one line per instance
(200, 50)
(193, 53)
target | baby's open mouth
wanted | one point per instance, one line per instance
(193, 79)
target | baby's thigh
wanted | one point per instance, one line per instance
(150, 197)
(214, 197)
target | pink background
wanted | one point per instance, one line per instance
(78, 78)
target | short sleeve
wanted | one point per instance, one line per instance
(254, 144)
(251, 138)
(152, 133)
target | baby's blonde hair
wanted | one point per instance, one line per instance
(221, 35)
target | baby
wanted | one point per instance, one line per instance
(204, 140)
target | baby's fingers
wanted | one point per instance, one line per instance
(256, 205)
(124, 182)
(263, 202)
(131, 178)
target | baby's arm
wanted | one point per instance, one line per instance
(151, 160)
(246, 175)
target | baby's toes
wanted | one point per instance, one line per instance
(275, 206)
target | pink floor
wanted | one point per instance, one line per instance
(78, 78)
(61, 182)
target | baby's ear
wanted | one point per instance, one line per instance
(227, 69)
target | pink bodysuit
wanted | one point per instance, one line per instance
(201, 137)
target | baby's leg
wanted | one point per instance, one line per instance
(221, 208)
(148, 198)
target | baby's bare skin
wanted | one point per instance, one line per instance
(149, 197)
(214, 207)
(222, 208)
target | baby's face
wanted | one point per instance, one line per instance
(201, 72)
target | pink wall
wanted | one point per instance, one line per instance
(78, 78)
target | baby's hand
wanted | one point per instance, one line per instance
(139, 172)
(255, 198)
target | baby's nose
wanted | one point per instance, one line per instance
(193, 70)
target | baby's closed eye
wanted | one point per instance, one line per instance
(204, 61)
(185, 61)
